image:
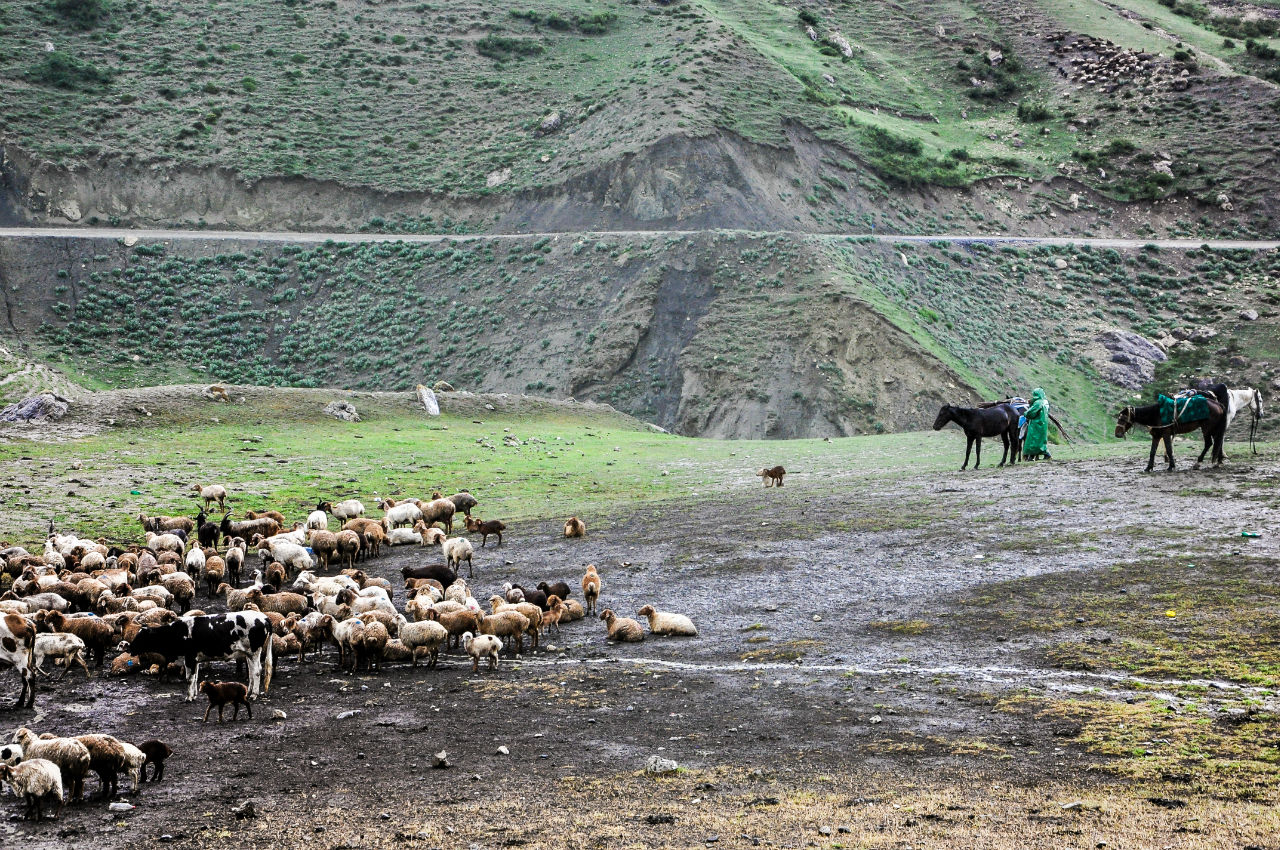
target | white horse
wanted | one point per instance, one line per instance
(1246, 398)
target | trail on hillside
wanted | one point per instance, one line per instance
(312, 237)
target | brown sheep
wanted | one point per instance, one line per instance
(438, 510)
(375, 642)
(96, 633)
(508, 623)
(773, 476)
(591, 588)
(531, 612)
(281, 603)
(324, 544)
(156, 752)
(277, 575)
(457, 622)
(372, 535)
(574, 527)
(622, 629)
(275, 515)
(108, 759)
(222, 693)
(348, 543)
(555, 610)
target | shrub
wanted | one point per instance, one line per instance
(67, 72)
(505, 47)
(1033, 112)
(85, 14)
(810, 18)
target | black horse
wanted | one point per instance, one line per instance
(1000, 421)
(1213, 428)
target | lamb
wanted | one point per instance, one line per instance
(71, 757)
(456, 550)
(67, 648)
(591, 588)
(773, 476)
(215, 572)
(574, 527)
(348, 547)
(485, 527)
(212, 493)
(399, 513)
(484, 646)
(555, 611)
(318, 521)
(96, 633)
(107, 758)
(325, 546)
(156, 753)
(416, 608)
(665, 623)
(37, 781)
(222, 693)
(350, 509)
(621, 629)
(425, 636)
(509, 623)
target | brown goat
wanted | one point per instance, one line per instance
(485, 527)
(773, 476)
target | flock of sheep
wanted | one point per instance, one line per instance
(311, 586)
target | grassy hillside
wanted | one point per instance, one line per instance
(380, 95)
(721, 334)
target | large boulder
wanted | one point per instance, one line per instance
(428, 400)
(36, 408)
(1132, 358)
(344, 410)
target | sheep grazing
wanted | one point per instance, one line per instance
(318, 521)
(485, 527)
(65, 648)
(349, 509)
(574, 527)
(108, 759)
(621, 629)
(462, 501)
(156, 753)
(71, 757)
(212, 493)
(39, 783)
(666, 623)
(591, 588)
(135, 759)
(275, 515)
(423, 638)
(483, 646)
(773, 476)
(222, 694)
(508, 624)
(456, 550)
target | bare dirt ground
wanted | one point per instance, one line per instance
(855, 684)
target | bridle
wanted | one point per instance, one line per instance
(1125, 421)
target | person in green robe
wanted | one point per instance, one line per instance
(1036, 444)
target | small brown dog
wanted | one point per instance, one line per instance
(772, 476)
(223, 693)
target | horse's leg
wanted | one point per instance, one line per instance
(968, 447)
(1004, 438)
(1151, 461)
(1168, 450)
(978, 461)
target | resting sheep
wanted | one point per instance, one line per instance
(622, 629)
(666, 623)
(574, 527)
(484, 646)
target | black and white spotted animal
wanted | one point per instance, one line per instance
(213, 637)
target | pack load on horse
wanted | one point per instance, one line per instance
(1180, 414)
(1021, 406)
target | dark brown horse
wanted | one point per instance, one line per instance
(1149, 415)
(1000, 421)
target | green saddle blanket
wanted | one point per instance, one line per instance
(1190, 409)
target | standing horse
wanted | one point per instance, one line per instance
(1000, 421)
(1246, 398)
(1149, 416)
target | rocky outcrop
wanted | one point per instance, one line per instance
(1132, 358)
(37, 408)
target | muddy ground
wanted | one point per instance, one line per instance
(849, 687)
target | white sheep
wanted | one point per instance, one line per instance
(399, 513)
(59, 645)
(484, 646)
(165, 543)
(404, 537)
(456, 550)
(349, 509)
(666, 623)
(457, 592)
(429, 534)
(37, 781)
(212, 493)
(361, 604)
(135, 759)
(426, 635)
(195, 560)
(318, 521)
(160, 594)
(289, 553)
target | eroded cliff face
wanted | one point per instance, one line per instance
(677, 331)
